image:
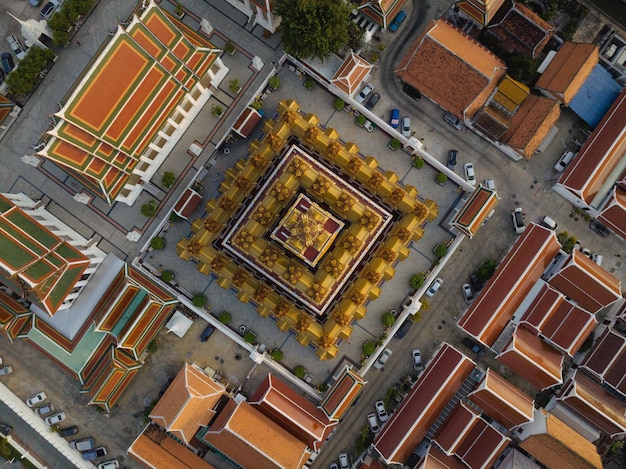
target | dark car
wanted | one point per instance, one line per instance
(372, 101)
(207, 333)
(473, 346)
(599, 228)
(404, 329)
(68, 431)
(476, 282)
(95, 453)
(7, 62)
(452, 159)
(411, 92)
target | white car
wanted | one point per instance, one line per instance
(112, 464)
(489, 183)
(468, 294)
(382, 359)
(470, 176)
(55, 418)
(44, 409)
(383, 416)
(36, 399)
(373, 423)
(434, 287)
(364, 93)
(417, 359)
(518, 220)
(344, 462)
(406, 126)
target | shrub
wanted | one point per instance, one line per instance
(167, 275)
(394, 144)
(486, 271)
(417, 317)
(360, 119)
(309, 83)
(217, 110)
(418, 162)
(149, 208)
(368, 348)
(364, 440)
(250, 337)
(425, 305)
(175, 218)
(257, 104)
(225, 317)
(274, 82)
(417, 281)
(22, 79)
(440, 250)
(199, 300)
(388, 319)
(152, 346)
(567, 242)
(157, 243)
(168, 179)
(339, 104)
(234, 85)
(229, 47)
(277, 355)
(374, 57)
(441, 178)
(299, 371)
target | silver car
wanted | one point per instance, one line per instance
(364, 93)
(382, 359)
(36, 399)
(6, 370)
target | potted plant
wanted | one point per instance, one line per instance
(277, 355)
(394, 144)
(299, 371)
(418, 162)
(440, 250)
(229, 47)
(309, 83)
(168, 179)
(360, 120)
(149, 208)
(250, 337)
(274, 83)
(234, 85)
(225, 317)
(417, 281)
(339, 104)
(441, 178)
(199, 300)
(257, 104)
(167, 276)
(368, 348)
(217, 110)
(180, 11)
(157, 243)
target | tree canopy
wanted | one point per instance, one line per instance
(313, 28)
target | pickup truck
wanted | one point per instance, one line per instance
(84, 444)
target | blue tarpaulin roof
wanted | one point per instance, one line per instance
(595, 96)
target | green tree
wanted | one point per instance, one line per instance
(23, 79)
(225, 317)
(388, 319)
(339, 104)
(441, 250)
(277, 355)
(299, 371)
(149, 208)
(522, 68)
(199, 300)
(167, 275)
(486, 271)
(314, 28)
(168, 179)
(417, 281)
(368, 348)
(157, 243)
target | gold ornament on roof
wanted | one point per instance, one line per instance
(289, 117)
(420, 211)
(281, 308)
(369, 220)
(344, 203)
(325, 341)
(341, 318)
(258, 161)
(354, 165)
(269, 256)
(371, 275)
(351, 244)
(280, 192)
(227, 204)
(307, 229)
(311, 134)
(218, 263)
(334, 267)
(332, 150)
(293, 274)
(194, 247)
(375, 180)
(317, 292)
(263, 216)
(402, 233)
(321, 185)
(243, 183)
(239, 278)
(244, 239)
(304, 321)
(275, 142)
(387, 254)
(356, 296)
(396, 196)
(260, 293)
(211, 225)
(297, 167)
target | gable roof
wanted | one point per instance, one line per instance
(474, 212)
(187, 203)
(381, 12)
(188, 403)
(342, 394)
(480, 11)
(613, 213)
(607, 360)
(588, 399)
(246, 121)
(452, 69)
(514, 278)
(568, 70)
(434, 389)
(293, 411)
(502, 401)
(586, 283)
(560, 446)
(437, 459)
(558, 320)
(599, 157)
(532, 359)
(350, 75)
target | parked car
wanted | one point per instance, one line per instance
(373, 423)
(597, 258)
(468, 294)
(453, 121)
(36, 399)
(55, 418)
(564, 160)
(374, 98)
(549, 223)
(452, 154)
(344, 462)
(403, 329)
(6, 370)
(406, 126)
(7, 62)
(417, 359)
(476, 282)
(333, 465)
(112, 464)
(84, 444)
(48, 10)
(364, 93)
(397, 21)
(94, 453)
(411, 92)
(16, 47)
(68, 431)
(599, 228)
(489, 184)
(44, 409)
(208, 330)
(470, 175)
(36, 3)
(394, 120)
(518, 220)
(383, 416)
(434, 287)
(5, 429)
(382, 359)
(586, 252)
(473, 346)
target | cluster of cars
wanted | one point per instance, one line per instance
(45, 409)
(89, 452)
(394, 121)
(366, 93)
(344, 462)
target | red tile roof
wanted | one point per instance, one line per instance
(568, 70)
(422, 406)
(246, 121)
(586, 283)
(607, 360)
(515, 276)
(452, 69)
(588, 399)
(293, 411)
(342, 395)
(600, 154)
(558, 320)
(480, 10)
(614, 212)
(351, 74)
(502, 401)
(187, 203)
(437, 459)
(473, 213)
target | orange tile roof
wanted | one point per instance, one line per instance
(532, 359)
(437, 459)
(531, 124)
(351, 74)
(342, 395)
(614, 212)
(473, 213)
(482, 11)
(188, 403)
(568, 70)
(560, 446)
(453, 70)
